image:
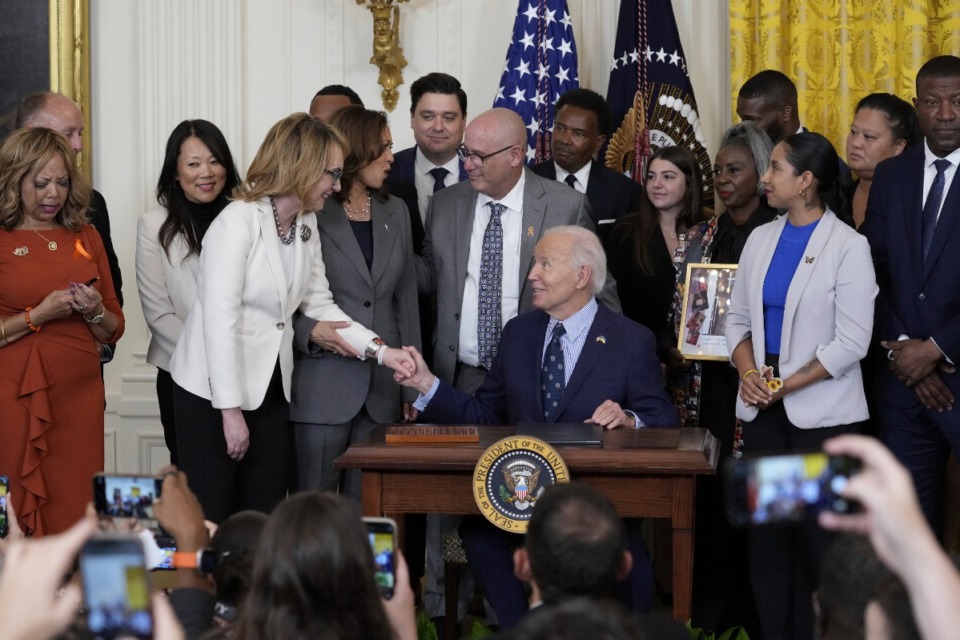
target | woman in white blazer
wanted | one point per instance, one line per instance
(195, 182)
(232, 366)
(802, 303)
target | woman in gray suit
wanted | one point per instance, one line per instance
(367, 251)
(195, 182)
(800, 321)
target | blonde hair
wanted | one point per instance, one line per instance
(25, 152)
(291, 159)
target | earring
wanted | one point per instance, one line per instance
(176, 183)
(803, 194)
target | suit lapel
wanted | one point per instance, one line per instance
(534, 212)
(385, 229)
(534, 360)
(801, 277)
(589, 357)
(912, 208)
(268, 231)
(949, 212)
(335, 226)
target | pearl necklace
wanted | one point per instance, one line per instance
(361, 215)
(288, 238)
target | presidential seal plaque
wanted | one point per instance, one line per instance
(511, 476)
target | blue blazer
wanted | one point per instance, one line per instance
(618, 363)
(919, 299)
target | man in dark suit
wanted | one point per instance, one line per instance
(570, 360)
(912, 225)
(581, 127)
(60, 113)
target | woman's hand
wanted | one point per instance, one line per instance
(399, 608)
(57, 304)
(401, 362)
(324, 334)
(754, 392)
(235, 432)
(87, 301)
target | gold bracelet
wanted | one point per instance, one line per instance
(744, 376)
(3, 330)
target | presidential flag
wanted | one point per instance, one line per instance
(650, 94)
(541, 66)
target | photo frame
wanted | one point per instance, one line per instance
(706, 301)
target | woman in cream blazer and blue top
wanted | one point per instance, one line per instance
(197, 177)
(368, 255)
(802, 303)
(233, 364)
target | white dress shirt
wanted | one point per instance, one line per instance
(424, 181)
(930, 172)
(582, 176)
(512, 220)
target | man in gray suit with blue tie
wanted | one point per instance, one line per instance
(480, 235)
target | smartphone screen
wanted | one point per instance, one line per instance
(382, 534)
(4, 496)
(125, 496)
(116, 593)
(787, 488)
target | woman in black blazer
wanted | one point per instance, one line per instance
(368, 255)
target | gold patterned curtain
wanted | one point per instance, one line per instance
(838, 51)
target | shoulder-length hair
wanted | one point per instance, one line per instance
(313, 575)
(173, 199)
(291, 159)
(24, 153)
(645, 222)
(363, 129)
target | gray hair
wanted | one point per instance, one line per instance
(752, 139)
(585, 250)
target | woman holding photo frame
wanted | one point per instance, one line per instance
(800, 321)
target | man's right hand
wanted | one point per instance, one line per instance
(934, 393)
(422, 379)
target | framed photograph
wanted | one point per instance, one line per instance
(706, 300)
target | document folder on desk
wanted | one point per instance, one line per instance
(560, 433)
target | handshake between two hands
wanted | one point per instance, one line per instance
(409, 368)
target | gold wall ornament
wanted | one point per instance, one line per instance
(70, 62)
(387, 53)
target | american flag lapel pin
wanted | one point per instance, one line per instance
(601, 340)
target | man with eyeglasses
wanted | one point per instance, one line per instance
(581, 127)
(478, 249)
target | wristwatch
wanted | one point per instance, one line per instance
(374, 346)
(97, 318)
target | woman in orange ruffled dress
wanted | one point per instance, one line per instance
(56, 303)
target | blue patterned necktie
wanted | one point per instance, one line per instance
(553, 380)
(489, 313)
(439, 174)
(932, 207)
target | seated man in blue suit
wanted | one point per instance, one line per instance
(582, 125)
(604, 371)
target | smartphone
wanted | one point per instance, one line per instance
(383, 541)
(125, 496)
(115, 588)
(4, 496)
(168, 547)
(787, 488)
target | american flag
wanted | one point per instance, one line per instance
(650, 94)
(541, 66)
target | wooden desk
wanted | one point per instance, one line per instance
(648, 473)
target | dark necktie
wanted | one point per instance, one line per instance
(489, 312)
(932, 207)
(571, 180)
(439, 174)
(552, 377)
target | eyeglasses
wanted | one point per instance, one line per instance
(335, 174)
(477, 158)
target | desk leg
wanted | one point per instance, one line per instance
(684, 494)
(371, 498)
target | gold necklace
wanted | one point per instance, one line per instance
(51, 244)
(361, 215)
